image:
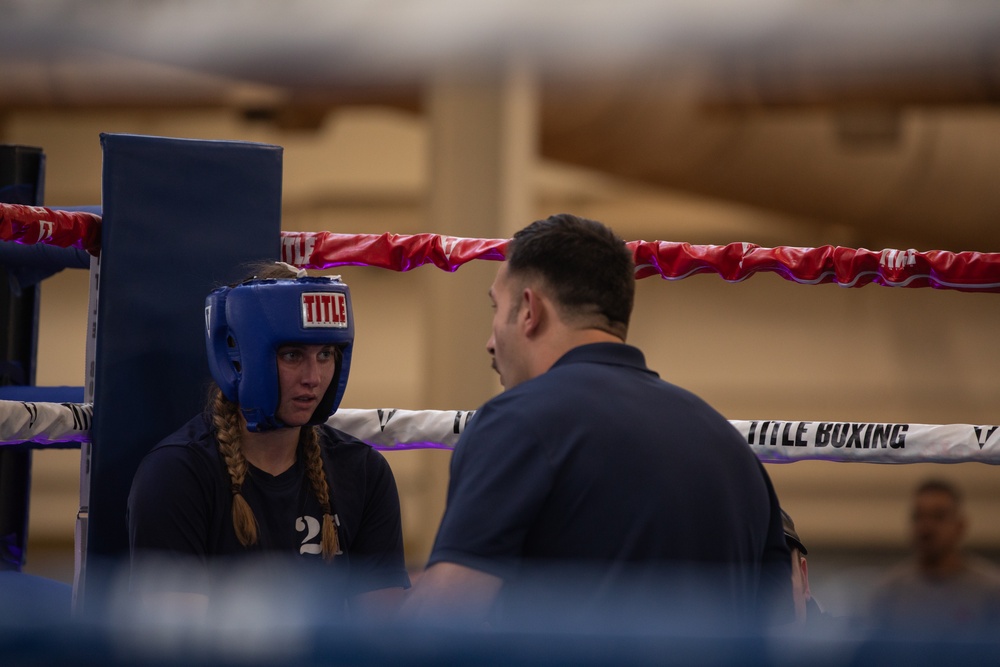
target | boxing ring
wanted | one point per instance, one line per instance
(67, 425)
(213, 192)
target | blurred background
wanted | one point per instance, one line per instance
(778, 122)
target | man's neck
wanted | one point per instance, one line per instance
(578, 337)
(945, 566)
(567, 340)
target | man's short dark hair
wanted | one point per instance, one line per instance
(791, 535)
(586, 265)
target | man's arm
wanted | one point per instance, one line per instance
(378, 605)
(451, 592)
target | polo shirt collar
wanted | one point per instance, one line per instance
(619, 354)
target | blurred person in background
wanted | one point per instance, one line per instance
(808, 611)
(942, 589)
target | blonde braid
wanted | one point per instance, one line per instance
(226, 417)
(317, 478)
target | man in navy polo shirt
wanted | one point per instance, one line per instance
(590, 488)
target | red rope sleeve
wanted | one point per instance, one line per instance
(38, 224)
(323, 250)
(963, 271)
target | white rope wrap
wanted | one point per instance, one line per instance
(772, 441)
(865, 442)
(44, 423)
(403, 429)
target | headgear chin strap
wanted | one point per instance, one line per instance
(245, 325)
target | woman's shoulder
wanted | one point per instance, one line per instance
(195, 440)
(184, 460)
(332, 438)
(342, 449)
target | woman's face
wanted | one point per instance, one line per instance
(304, 375)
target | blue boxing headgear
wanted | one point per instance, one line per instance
(245, 325)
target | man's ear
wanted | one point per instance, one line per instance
(534, 310)
(804, 567)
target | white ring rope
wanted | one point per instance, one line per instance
(45, 423)
(68, 424)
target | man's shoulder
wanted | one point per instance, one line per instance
(617, 355)
(534, 399)
(576, 371)
(594, 373)
(587, 381)
(983, 570)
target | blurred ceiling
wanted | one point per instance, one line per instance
(879, 116)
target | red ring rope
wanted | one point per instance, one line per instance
(38, 224)
(962, 271)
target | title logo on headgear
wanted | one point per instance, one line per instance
(324, 310)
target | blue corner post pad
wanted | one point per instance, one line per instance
(180, 217)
